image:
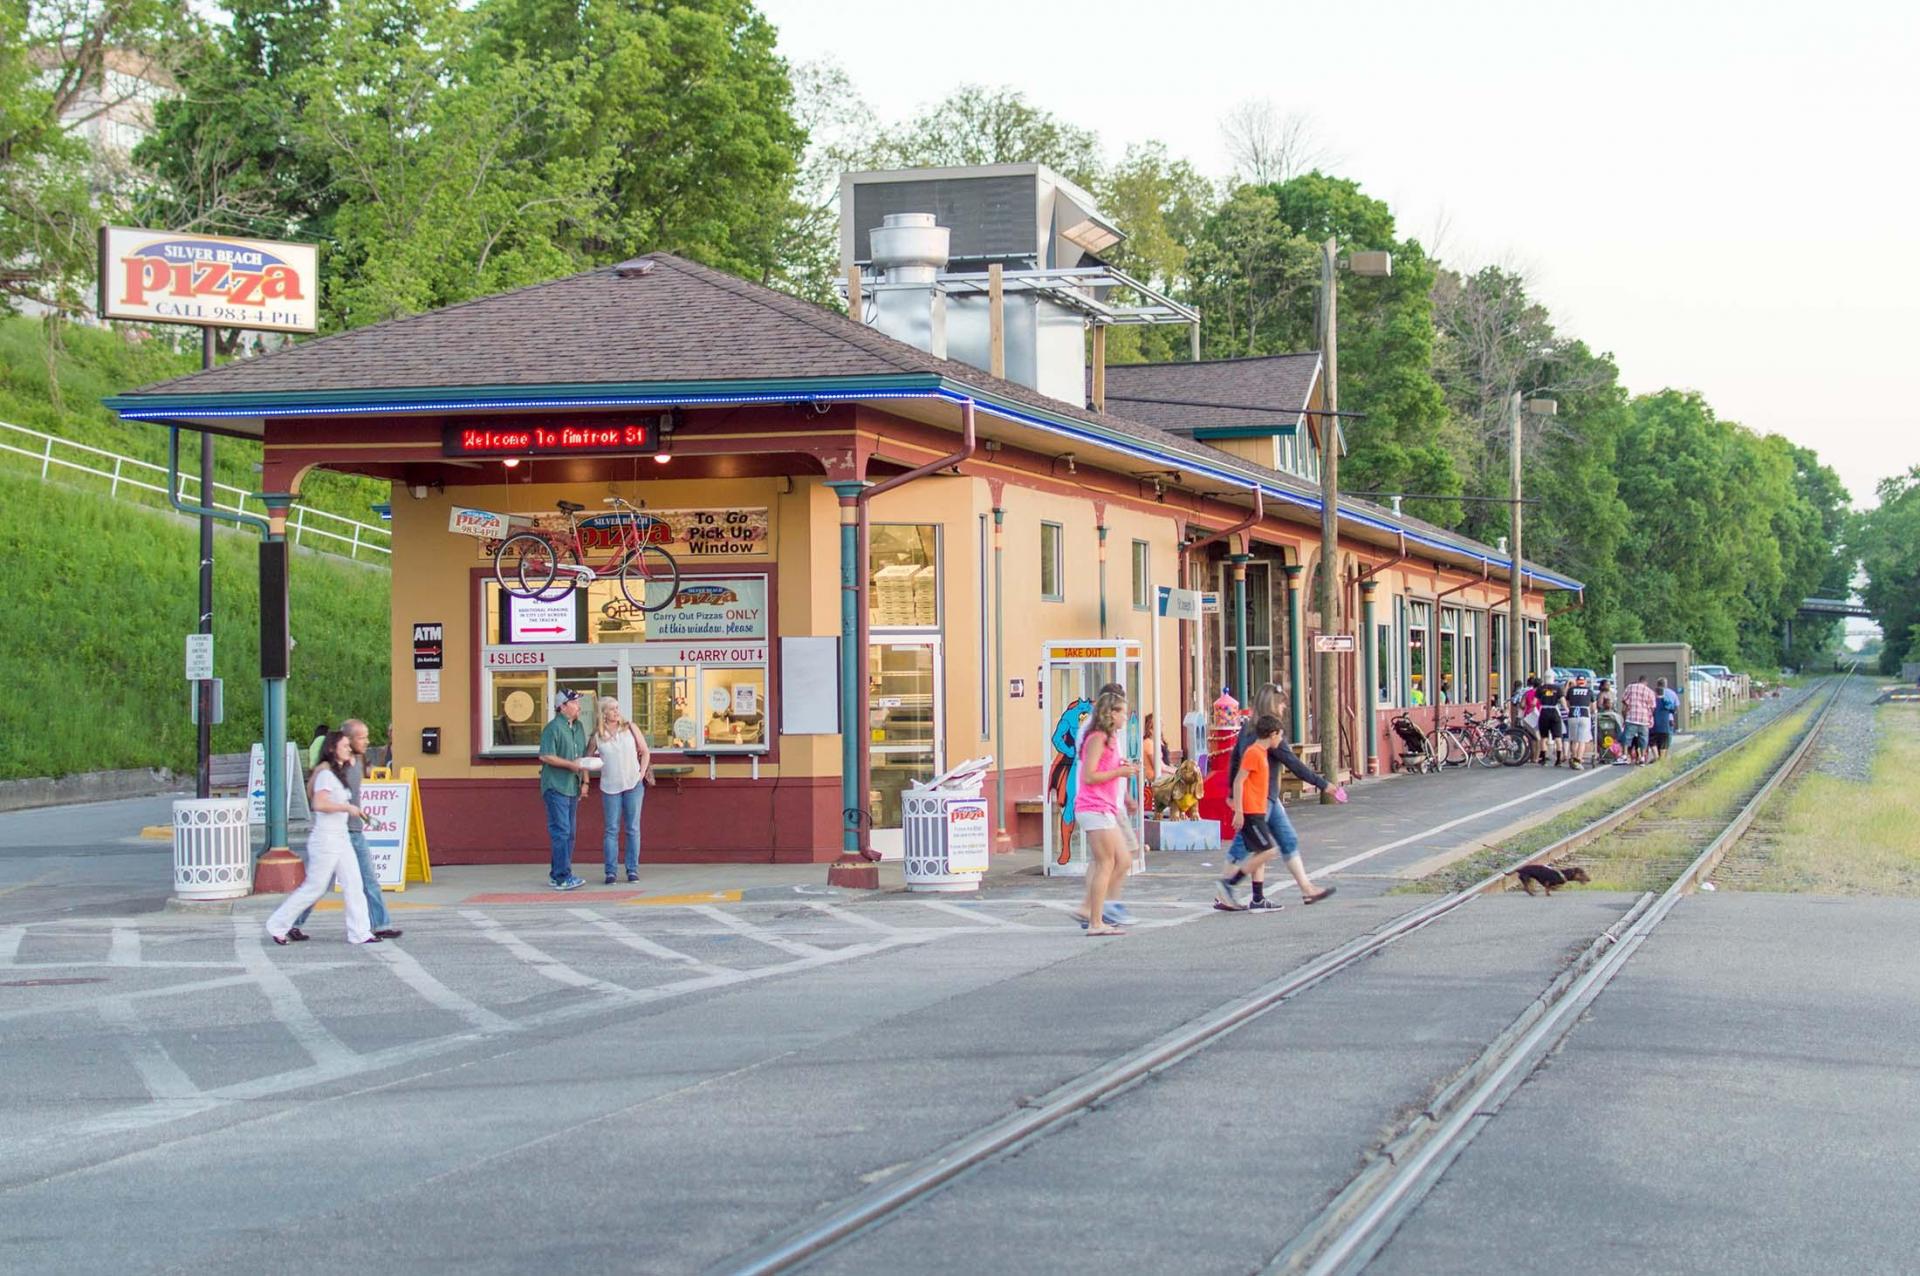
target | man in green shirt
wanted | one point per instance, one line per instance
(563, 741)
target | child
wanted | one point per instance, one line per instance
(1256, 843)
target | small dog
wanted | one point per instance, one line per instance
(1532, 875)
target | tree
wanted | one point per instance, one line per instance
(443, 157)
(65, 65)
(1162, 204)
(978, 125)
(1887, 539)
(1268, 147)
(1251, 275)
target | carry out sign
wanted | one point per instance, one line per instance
(208, 280)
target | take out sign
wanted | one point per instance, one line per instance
(210, 281)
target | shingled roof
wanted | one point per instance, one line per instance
(1215, 394)
(661, 319)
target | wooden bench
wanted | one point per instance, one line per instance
(1291, 785)
(227, 774)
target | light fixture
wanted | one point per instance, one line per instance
(1374, 265)
(661, 458)
(510, 462)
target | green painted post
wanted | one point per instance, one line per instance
(1000, 684)
(1370, 669)
(851, 653)
(1240, 562)
(1296, 659)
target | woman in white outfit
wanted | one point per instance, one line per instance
(329, 850)
(623, 774)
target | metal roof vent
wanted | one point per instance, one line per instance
(910, 251)
(634, 268)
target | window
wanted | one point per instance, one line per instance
(1259, 630)
(1449, 659)
(1052, 587)
(670, 669)
(1383, 664)
(1469, 681)
(1532, 648)
(903, 576)
(1419, 653)
(1497, 655)
(1142, 577)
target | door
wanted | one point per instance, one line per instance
(905, 716)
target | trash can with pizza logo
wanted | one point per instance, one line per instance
(947, 824)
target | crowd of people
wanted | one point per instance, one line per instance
(1566, 718)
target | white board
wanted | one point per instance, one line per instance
(810, 686)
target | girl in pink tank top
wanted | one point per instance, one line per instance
(1099, 809)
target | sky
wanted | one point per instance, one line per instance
(1720, 194)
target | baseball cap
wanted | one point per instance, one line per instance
(565, 697)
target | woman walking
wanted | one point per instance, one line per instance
(1099, 808)
(624, 773)
(1271, 701)
(329, 849)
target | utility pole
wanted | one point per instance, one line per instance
(1516, 634)
(1329, 662)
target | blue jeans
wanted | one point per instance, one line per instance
(561, 809)
(622, 812)
(376, 905)
(1282, 833)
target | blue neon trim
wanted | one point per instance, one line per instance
(999, 408)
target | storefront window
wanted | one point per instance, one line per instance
(1050, 564)
(1449, 689)
(733, 708)
(670, 668)
(1419, 640)
(1259, 629)
(903, 576)
(1383, 664)
(1142, 577)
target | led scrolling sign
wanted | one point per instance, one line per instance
(552, 439)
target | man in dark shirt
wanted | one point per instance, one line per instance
(1551, 698)
(1580, 700)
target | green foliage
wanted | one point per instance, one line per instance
(1163, 204)
(99, 595)
(57, 389)
(978, 125)
(1887, 540)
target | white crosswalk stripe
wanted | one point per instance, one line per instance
(740, 925)
(641, 944)
(326, 1050)
(542, 963)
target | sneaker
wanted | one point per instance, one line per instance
(569, 884)
(1226, 895)
(609, 881)
(633, 877)
(1117, 915)
(1264, 905)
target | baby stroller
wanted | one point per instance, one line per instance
(1608, 733)
(1417, 752)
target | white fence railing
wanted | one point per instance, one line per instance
(333, 533)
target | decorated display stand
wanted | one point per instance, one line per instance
(1071, 675)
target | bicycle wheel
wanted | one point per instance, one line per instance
(649, 578)
(524, 564)
(1452, 751)
(1516, 746)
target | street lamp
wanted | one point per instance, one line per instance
(1518, 408)
(1375, 265)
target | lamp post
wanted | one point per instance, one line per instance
(1374, 264)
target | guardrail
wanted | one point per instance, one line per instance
(335, 533)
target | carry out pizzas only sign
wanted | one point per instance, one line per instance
(212, 281)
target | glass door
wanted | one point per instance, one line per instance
(904, 723)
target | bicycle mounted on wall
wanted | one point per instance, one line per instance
(537, 564)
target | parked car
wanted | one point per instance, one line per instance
(1715, 671)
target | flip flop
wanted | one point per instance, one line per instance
(1319, 895)
(1105, 932)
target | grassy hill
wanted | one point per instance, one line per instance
(98, 597)
(57, 390)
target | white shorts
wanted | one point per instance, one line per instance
(1579, 730)
(1094, 821)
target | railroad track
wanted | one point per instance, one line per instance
(1345, 1235)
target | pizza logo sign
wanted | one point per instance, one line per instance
(704, 596)
(610, 531)
(184, 269)
(206, 279)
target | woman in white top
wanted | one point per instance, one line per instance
(329, 850)
(625, 760)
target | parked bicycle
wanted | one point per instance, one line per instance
(530, 562)
(1490, 744)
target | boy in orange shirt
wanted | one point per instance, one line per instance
(1249, 798)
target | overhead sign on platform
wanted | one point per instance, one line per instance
(211, 281)
(555, 438)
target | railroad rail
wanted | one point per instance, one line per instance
(1363, 1216)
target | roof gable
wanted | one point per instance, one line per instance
(1268, 391)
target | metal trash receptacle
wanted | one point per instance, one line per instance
(946, 826)
(212, 848)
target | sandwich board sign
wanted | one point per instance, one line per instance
(295, 773)
(396, 828)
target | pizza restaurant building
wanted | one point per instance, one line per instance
(868, 533)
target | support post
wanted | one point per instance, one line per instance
(1370, 666)
(1516, 625)
(996, 319)
(1240, 675)
(1296, 658)
(279, 869)
(856, 303)
(850, 870)
(1102, 530)
(203, 741)
(1001, 840)
(1329, 663)
(1099, 367)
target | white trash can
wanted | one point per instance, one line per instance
(946, 826)
(212, 848)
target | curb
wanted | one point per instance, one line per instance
(89, 786)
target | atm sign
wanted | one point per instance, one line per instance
(551, 440)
